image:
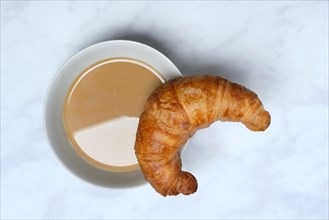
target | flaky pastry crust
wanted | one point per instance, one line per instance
(175, 111)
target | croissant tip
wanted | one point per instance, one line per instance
(190, 185)
(262, 122)
(266, 123)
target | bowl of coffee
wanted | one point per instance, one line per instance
(93, 104)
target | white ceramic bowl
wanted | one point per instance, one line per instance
(54, 101)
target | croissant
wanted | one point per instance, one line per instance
(175, 111)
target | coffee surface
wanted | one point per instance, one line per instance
(102, 109)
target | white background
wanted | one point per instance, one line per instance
(277, 49)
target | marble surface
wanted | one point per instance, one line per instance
(278, 49)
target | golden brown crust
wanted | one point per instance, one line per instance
(175, 111)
